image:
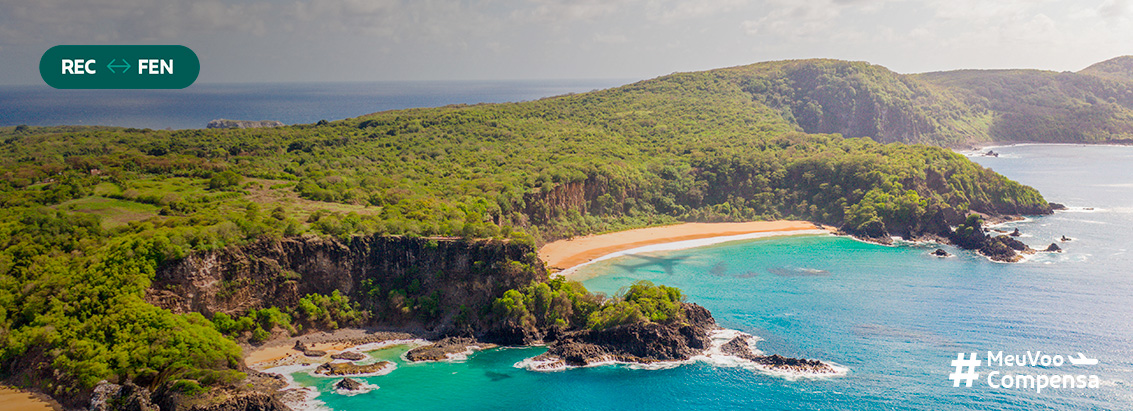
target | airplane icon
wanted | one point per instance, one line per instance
(1082, 360)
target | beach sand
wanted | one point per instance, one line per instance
(12, 399)
(275, 352)
(564, 254)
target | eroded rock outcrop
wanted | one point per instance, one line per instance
(130, 397)
(741, 347)
(348, 384)
(450, 273)
(645, 342)
(446, 348)
(349, 368)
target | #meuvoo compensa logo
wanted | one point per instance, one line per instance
(965, 371)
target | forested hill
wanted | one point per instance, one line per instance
(952, 109)
(1120, 68)
(89, 214)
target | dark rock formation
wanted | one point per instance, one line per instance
(1016, 233)
(222, 123)
(941, 253)
(1064, 239)
(349, 355)
(348, 385)
(440, 350)
(349, 368)
(971, 236)
(130, 397)
(991, 153)
(1057, 206)
(241, 401)
(638, 343)
(740, 347)
(314, 353)
(1004, 249)
(1053, 248)
(453, 273)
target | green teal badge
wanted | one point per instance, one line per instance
(119, 67)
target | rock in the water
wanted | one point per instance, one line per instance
(940, 253)
(348, 368)
(1057, 206)
(222, 123)
(349, 355)
(1064, 239)
(441, 350)
(1004, 248)
(991, 153)
(1053, 248)
(739, 347)
(348, 385)
(1016, 233)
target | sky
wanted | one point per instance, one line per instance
(396, 40)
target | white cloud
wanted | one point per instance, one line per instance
(670, 11)
(610, 38)
(795, 19)
(1114, 9)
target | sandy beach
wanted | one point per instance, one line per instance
(282, 351)
(564, 254)
(12, 399)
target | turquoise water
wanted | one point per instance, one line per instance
(894, 316)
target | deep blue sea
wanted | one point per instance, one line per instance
(895, 316)
(195, 106)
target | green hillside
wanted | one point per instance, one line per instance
(857, 99)
(1046, 106)
(951, 109)
(1120, 68)
(87, 215)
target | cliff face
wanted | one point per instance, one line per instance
(598, 194)
(384, 274)
(857, 99)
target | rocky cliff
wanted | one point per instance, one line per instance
(441, 284)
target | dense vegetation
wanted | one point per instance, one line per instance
(567, 305)
(315, 311)
(954, 108)
(1046, 106)
(857, 99)
(88, 213)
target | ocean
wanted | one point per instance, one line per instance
(290, 103)
(894, 316)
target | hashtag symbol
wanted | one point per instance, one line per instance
(960, 363)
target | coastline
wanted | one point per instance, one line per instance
(282, 351)
(15, 399)
(564, 256)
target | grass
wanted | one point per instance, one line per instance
(114, 213)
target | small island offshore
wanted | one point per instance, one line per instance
(149, 269)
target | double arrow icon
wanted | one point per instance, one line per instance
(124, 66)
